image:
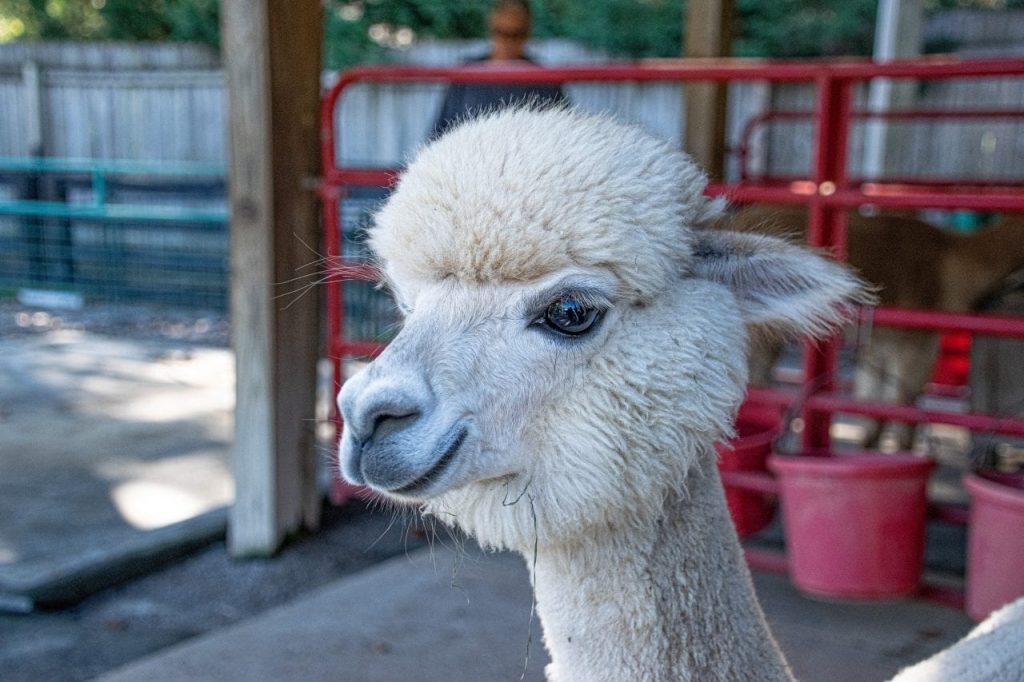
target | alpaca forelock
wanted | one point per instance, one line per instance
(521, 194)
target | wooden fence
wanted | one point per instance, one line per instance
(160, 102)
(166, 102)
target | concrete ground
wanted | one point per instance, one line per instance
(104, 441)
(458, 615)
(195, 595)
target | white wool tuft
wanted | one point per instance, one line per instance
(519, 194)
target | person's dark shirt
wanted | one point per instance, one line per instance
(463, 101)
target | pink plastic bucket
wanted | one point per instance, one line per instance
(854, 523)
(995, 544)
(756, 428)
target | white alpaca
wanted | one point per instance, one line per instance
(573, 347)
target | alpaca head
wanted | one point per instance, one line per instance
(573, 341)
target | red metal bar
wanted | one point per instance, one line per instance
(769, 560)
(334, 296)
(946, 185)
(1010, 426)
(804, 192)
(985, 324)
(794, 193)
(894, 114)
(827, 229)
(903, 196)
(750, 480)
(772, 396)
(362, 177)
(754, 122)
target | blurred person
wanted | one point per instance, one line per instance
(509, 23)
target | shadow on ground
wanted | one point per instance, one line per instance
(204, 592)
(103, 441)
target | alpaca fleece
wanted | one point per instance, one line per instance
(592, 452)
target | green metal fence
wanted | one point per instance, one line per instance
(115, 230)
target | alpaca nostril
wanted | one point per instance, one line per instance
(388, 423)
(376, 407)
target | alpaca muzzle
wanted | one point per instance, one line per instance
(396, 440)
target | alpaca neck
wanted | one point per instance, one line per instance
(673, 601)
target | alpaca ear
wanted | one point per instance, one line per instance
(779, 286)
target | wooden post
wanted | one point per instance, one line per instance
(709, 25)
(271, 51)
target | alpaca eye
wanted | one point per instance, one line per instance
(570, 316)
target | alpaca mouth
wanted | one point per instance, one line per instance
(454, 444)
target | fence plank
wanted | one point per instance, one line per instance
(155, 102)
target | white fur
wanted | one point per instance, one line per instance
(592, 456)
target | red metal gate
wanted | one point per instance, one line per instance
(828, 192)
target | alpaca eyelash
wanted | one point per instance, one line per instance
(591, 298)
(596, 304)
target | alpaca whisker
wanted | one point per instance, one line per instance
(395, 513)
(505, 502)
(533, 597)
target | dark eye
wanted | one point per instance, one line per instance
(570, 316)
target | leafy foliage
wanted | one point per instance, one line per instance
(805, 28)
(628, 28)
(177, 20)
(359, 31)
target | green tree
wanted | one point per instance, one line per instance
(627, 28)
(804, 28)
(182, 20)
(54, 19)
(359, 31)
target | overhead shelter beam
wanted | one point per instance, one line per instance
(272, 58)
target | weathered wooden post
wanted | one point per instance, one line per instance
(271, 51)
(709, 27)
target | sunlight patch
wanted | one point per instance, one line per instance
(146, 505)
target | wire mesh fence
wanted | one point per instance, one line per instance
(370, 312)
(182, 264)
(110, 234)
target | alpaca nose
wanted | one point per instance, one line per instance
(384, 413)
(381, 409)
(391, 415)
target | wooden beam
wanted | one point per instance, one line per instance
(271, 51)
(709, 30)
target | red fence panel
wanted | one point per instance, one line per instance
(827, 192)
